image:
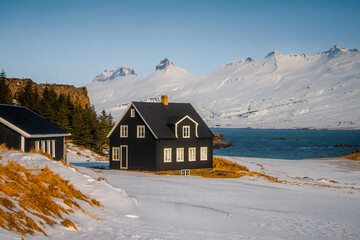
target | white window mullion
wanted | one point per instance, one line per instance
(123, 131)
(43, 146)
(140, 131)
(37, 146)
(115, 154)
(203, 154)
(48, 147)
(179, 154)
(192, 154)
(53, 148)
(167, 154)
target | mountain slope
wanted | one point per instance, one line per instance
(279, 91)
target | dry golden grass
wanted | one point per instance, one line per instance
(34, 193)
(68, 223)
(4, 148)
(223, 169)
(354, 155)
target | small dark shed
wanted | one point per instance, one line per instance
(160, 136)
(25, 130)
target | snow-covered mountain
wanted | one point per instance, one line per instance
(279, 91)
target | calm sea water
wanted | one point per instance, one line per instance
(290, 144)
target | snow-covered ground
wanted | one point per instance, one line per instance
(279, 91)
(319, 200)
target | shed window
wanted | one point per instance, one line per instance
(53, 148)
(192, 154)
(167, 154)
(179, 154)
(48, 148)
(43, 146)
(115, 154)
(203, 154)
(140, 131)
(186, 131)
(37, 146)
(123, 131)
(132, 113)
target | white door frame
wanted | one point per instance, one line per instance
(121, 156)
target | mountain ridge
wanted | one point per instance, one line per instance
(279, 91)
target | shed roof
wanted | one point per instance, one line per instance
(28, 123)
(159, 116)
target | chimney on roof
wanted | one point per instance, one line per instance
(164, 100)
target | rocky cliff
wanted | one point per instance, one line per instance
(78, 95)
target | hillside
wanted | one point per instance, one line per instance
(78, 95)
(279, 91)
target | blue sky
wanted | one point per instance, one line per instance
(70, 42)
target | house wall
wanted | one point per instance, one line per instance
(141, 151)
(186, 144)
(59, 145)
(11, 138)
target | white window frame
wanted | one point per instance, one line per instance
(116, 154)
(43, 146)
(167, 155)
(37, 146)
(140, 132)
(179, 154)
(124, 131)
(192, 154)
(53, 148)
(187, 127)
(203, 153)
(48, 146)
(132, 112)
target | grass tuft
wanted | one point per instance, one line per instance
(69, 224)
(34, 194)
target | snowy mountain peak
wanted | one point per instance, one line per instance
(110, 75)
(164, 64)
(273, 54)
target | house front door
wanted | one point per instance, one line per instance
(123, 157)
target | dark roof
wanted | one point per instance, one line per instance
(159, 116)
(27, 122)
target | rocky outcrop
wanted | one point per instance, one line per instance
(78, 95)
(112, 74)
(219, 143)
(164, 64)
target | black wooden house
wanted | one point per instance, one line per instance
(24, 130)
(160, 136)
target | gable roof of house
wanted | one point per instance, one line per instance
(160, 118)
(28, 123)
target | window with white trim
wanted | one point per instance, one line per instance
(203, 154)
(179, 154)
(192, 154)
(186, 131)
(48, 148)
(123, 131)
(53, 148)
(37, 146)
(167, 154)
(115, 154)
(43, 146)
(132, 113)
(140, 131)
